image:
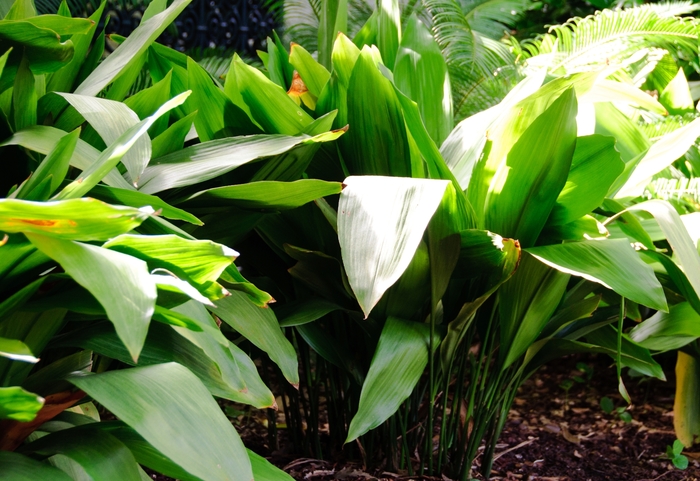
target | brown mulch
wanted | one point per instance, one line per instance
(550, 435)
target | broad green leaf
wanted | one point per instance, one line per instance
(298, 313)
(20, 10)
(263, 470)
(686, 406)
(388, 30)
(55, 165)
(16, 350)
(145, 454)
(147, 101)
(344, 56)
(215, 112)
(22, 468)
(635, 356)
(63, 79)
(101, 455)
(111, 120)
(666, 331)
(676, 95)
(314, 75)
(135, 199)
(684, 248)
(259, 326)
(63, 26)
(605, 90)
(18, 404)
(185, 424)
(381, 221)
(24, 97)
(41, 46)
(630, 141)
(421, 73)
(211, 159)
(199, 261)
(333, 20)
(265, 194)
(43, 139)
(130, 51)
(173, 138)
(526, 303)
(377, 143)
(594, 167)
(121, 283)
(269, 104)
(463, 147)
(397, 365)
(113, 154)
(75, 219)
(524, 189)
(609, 262)
(665, 151)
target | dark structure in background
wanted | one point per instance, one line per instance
(239, 25)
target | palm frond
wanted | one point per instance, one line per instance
(673, 9)
(464, 48)
(301, 21)
(585, 43)
(656, 126)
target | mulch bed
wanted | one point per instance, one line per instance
(551, 435)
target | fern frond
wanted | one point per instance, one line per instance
(673, 9)
(464, 48)
(493, 18)
(658, 126)
(585, 43)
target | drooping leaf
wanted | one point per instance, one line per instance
(121, 283)
(610, 262)
(397, 364)
(686, 419)
(173, 411)
(263, 470)
(16, 350)
(259, 326)
(24, 468)
(666, 331)
(381, 221)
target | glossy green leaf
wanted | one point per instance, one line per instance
(586, 227)
(665, 151)
(525, 188)
(208, 160)
(605, 90)
(173, 139)
(101, 455)
(121, 283)
(55, 166)
(259, 326)
(630, 141)
(24, 97)
(397, 365)
(133, 198)
(686, 406)
(75, 219)
(298, 313)
(421, 73)
(334, 20)
(594, 167)
(666, 331)
(112, 119)
(199, 261)
(526, 303)
(147, 101)
(43, 139)
(314, 75)
(41, 46)
(377, 143)
(676, 95)
(130, 51)
(18, 404)
(610, 262)
(186, 425)
(269, 104)
(684, 249)
(635, 356)
(265, 194)
(388, 30)
(16, 350)
(22, 468)
(113, 154)
(381, 221)
(263, 470)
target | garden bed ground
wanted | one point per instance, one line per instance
(549, 436)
